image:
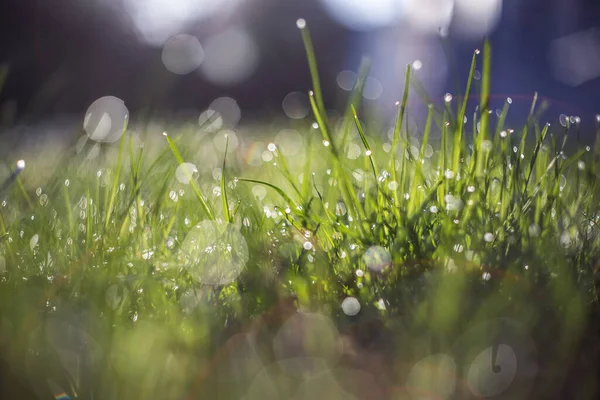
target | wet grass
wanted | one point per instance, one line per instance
(126, 275)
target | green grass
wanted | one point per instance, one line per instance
(493, 223)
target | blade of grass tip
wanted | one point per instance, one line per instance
(396, 138)
(355, 99)
(460, 118)
(115, 185)
(318, 107)
(524, 135)
(205, 205)
(369, 152)
(20, 166)
(226, 214)
(348, 195)
(484, 104)
(532, 162)
(312, 63)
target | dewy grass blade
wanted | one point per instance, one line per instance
(115, 185)
(365, 143)
(312, 64)
(484, 105)
(226, 214)
(203, 202)
(460, 118)
(396, 140)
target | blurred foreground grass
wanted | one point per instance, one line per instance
(458, 261)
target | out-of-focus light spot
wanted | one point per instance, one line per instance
(434, 375)
(563, 120)
(21, 164)
(574, 58)
(428, 15)
(476, 18)
(295, 105)
(259, 192)
(490, 379)
(346, 80)
(377, 258)
(267, 156)
(353, 151)
(351, 306)
(231, 57)
(301, 23)
(226, 139)
(306, 344)
(106, 119)
(417, 65)
(373, 89)
(214, 253)
(210, 121)
(228, 110)
(289, 141)
(185, 173)
(158, 20)
(362, 15)
(182, 54)
(114, 295)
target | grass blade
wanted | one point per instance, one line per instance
(226, 214)
(205, 205)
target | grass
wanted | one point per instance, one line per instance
(128, 275)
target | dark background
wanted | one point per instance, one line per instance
(65, 54)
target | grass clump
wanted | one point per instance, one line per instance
(128, 275)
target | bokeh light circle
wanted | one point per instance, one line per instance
(360, 15)
(106, 119)
(182, 54)
(214, 253)
(307, 344)
(185, 173)
(346, 80)
(227, 110)
(289, 141)
(295, 105)
(351, 306)
(377, 258)
(433, 375)
(231, 57)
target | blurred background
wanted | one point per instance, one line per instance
(166, 57)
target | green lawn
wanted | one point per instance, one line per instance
(413, 260)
